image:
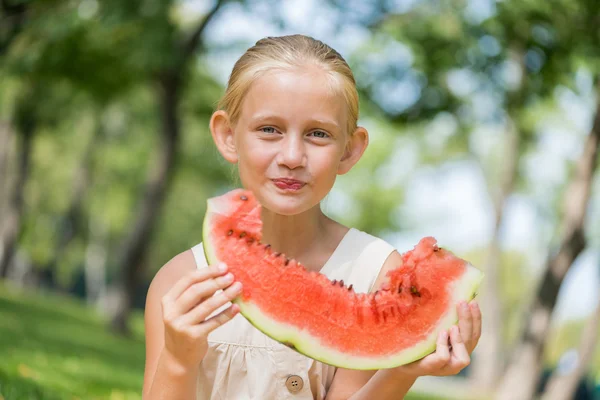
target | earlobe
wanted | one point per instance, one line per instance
(357, 144)
(222, 133)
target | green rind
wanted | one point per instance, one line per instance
(305, 344)
(210, 255)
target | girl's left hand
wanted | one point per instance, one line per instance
(451, 359)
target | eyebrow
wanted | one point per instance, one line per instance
(318, 121)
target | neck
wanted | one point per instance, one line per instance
(294, 234)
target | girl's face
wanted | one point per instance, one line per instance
(290, 141)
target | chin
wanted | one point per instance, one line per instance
(285, 205)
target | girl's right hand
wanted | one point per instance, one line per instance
(187, 305)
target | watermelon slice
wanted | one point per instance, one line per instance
(326, 320)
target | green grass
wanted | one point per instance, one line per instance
(55, 348)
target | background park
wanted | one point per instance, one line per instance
(484, 118)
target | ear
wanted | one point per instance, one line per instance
(221, 130)
(355, 147)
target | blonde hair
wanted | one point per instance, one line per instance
(286, 53)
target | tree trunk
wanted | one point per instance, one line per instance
(12, 17)
(71, 222)
(522, 375)
(132, 260)
(11, 225)
(5, 159)
(95, 264)
(136, 244)
(563, 387)
(489, 359)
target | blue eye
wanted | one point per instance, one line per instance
(268, 129)
(320, 134)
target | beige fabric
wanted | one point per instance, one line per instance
(242, 363)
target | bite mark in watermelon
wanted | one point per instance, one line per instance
(326, 320)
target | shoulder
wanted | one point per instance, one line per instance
(177, 267)
(373, 249)
(393, 261)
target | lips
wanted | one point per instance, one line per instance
(289, 184)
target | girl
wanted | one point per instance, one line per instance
(288, 120)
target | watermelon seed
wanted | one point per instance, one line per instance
(277, 254)
(399, 289)
(342, 283)
(414, 291)
(242, 234)
(250, 241)
(334, 282)
(230, 233)
(244, 198)
(267, 246)
(287, 261)
(350, 287)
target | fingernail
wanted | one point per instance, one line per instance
(222, 267)
(229, 277)
(464, 305)
(237, 286)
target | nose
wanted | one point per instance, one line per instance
(293, 152)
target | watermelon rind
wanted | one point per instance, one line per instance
(465, 289)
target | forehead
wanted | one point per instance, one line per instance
(295, 95)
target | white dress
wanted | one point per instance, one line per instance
(242, 363)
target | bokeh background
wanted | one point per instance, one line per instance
(484, 118)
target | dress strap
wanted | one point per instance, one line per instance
(375, 253)
(364, 252)
(198, 252)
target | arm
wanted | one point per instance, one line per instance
(180, 301)
(394, 383)
(356, 385)
(162, 373)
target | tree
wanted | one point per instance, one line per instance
(25, 122)
(12, 19)
(525, 367)
(168, 81)
(443, 43)
(563, 387)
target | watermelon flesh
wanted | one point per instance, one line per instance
(326, 320)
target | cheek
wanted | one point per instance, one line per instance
(253, 159)
(326, 167)
(328, 161)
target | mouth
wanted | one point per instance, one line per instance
(289, 184)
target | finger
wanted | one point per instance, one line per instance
(465, 323)
(199, 275)
(442, 351)
(217, 320)
(199, 291)
(476, 316)
(460, 355)
(199, 313)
